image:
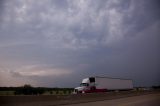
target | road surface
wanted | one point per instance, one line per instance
(143, 100)
(123, 98)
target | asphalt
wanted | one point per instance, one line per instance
(143, 100)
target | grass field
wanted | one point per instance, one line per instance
(7, 93)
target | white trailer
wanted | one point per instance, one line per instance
(113, 83)
(103, 84)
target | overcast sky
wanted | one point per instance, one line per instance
(56, 43)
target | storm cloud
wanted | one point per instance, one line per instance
(56, 43)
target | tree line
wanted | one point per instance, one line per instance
(29, 90)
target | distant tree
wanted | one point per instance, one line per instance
(27, 86)
(57, 92)
(28, 89)
(70, 91)
(51, 92)
(156, 87)
(64, 91)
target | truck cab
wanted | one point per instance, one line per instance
(87, 85)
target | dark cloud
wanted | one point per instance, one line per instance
(50, 43)
(1, 7)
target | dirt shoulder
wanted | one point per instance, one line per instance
(54, 100)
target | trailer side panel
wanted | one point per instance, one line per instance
(112, 83)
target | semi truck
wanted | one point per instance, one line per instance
(103, 84)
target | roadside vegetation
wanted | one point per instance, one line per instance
(29, 90)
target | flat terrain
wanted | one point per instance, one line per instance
(143, 100)
(123, 98)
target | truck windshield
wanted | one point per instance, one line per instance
(84, 84)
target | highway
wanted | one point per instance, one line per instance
(143, 100)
